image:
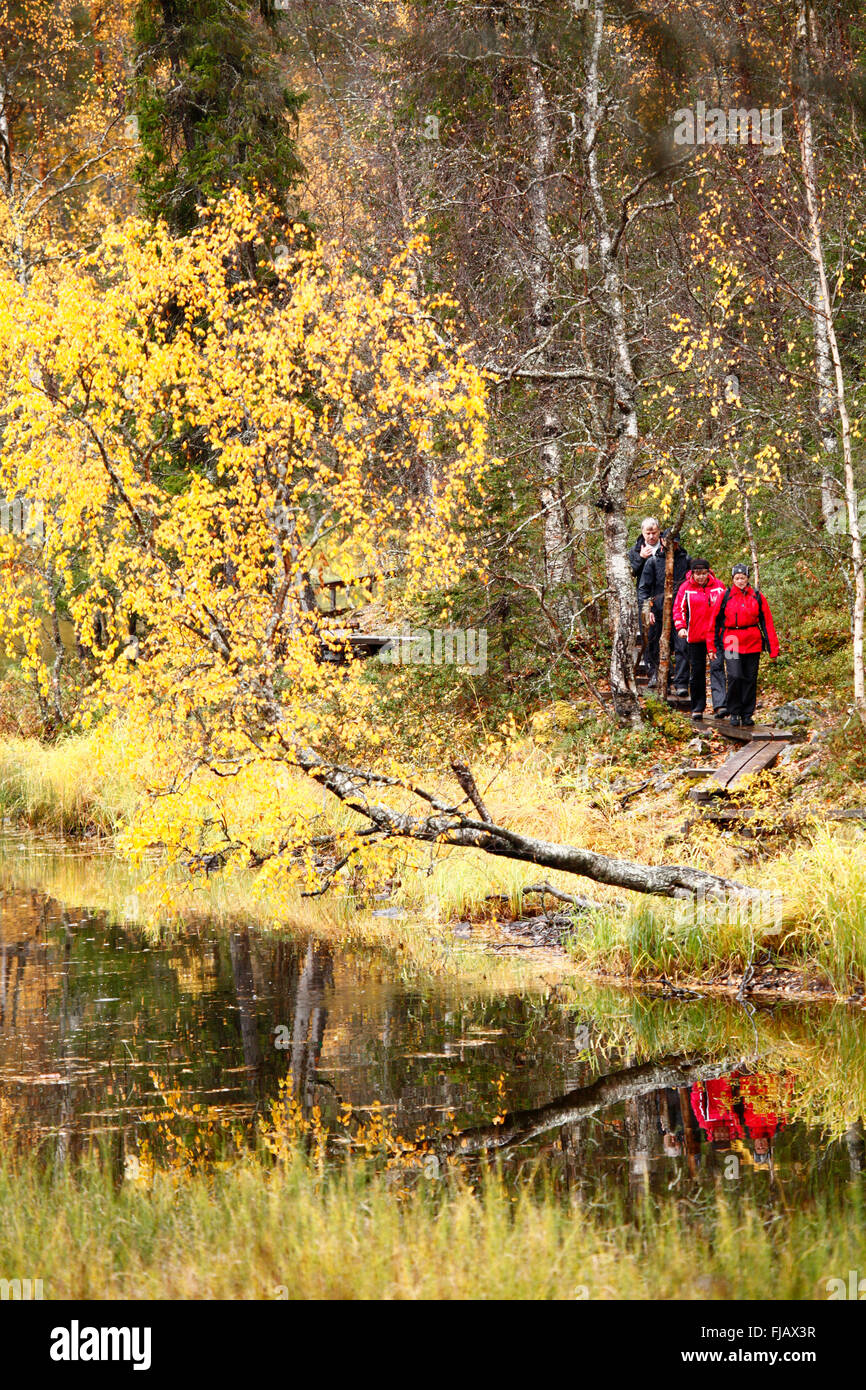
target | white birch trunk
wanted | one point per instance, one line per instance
(558, 551)
(618, 469)
(824, 310)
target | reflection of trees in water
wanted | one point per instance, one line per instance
(854, 1143)
(668, 1132)
(245, 995)
(27, 979)
(69, 1019)
(644, 1135)
(196, 1005)
(34, 975)
(310, 1018)
(24, 915)
(631, 1084)
(657, 1125)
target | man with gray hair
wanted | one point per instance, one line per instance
(651, 598)
(645, 547)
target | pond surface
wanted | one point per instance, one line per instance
(607, 1090)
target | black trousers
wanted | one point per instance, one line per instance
(742, 673)
(653, 637)
(680, 653)
(679, 662)
(646, 639)
(697, 657)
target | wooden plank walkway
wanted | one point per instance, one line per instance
(758, 753)
(341, 644)
(752, 732)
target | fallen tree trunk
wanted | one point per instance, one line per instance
(522, 1125)
(448, 825)
(665, 880)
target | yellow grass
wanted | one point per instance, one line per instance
(81, 782)
(70, 787)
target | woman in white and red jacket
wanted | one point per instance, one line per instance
(695, 609)
(744, 628)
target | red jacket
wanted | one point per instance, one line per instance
(713, 1107)
(695, 608)
(764, 1101)
(738, 623)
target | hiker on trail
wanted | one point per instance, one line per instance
(644, 548)
(651, 592)
(744, 628)
(695, 609)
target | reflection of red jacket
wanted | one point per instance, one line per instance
(695, 608)
(713, 1104)
(738, 623)
(764, 1097)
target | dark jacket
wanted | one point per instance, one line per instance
(652, 580)
(635, 558)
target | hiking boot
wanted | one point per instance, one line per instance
(652, 682)
(681, 691)
(748, 722)
(697, 714)
(735, 719)
(720, 714)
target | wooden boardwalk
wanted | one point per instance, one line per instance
(753, 756)
(341, 645)
(753, 733)
(758, 747)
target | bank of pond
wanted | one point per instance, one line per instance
(217, 1086)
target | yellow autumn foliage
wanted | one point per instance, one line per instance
(208, 425)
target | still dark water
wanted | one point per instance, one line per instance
(99, 1019)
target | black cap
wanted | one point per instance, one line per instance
(740, 569)
(700, 564)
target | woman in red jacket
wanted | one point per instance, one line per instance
(695, 609)
(744, 628)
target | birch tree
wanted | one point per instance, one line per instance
(831, 378)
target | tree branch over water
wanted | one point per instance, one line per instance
(450, 826)
(521, 1125)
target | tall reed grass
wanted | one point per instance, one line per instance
(73, 787)
(297, 1232)
(814, 919)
